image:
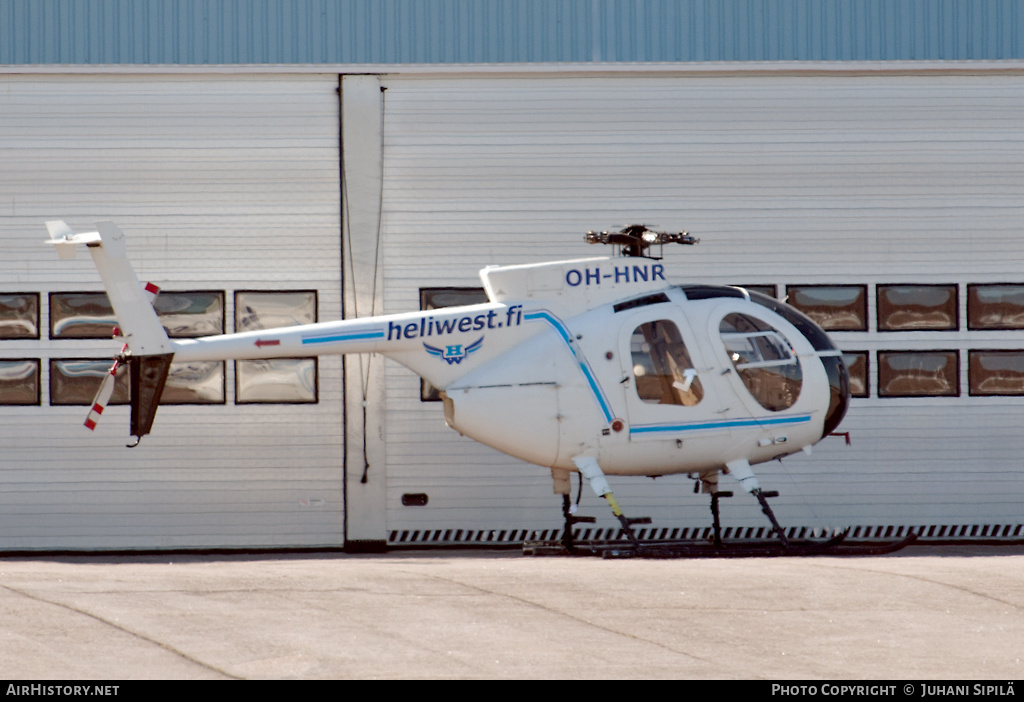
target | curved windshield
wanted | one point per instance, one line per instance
(764, 360)
(839, 392)
(804, 324)
(838, 375)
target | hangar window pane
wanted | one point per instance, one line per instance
(278, 380)
(434, 298)
(19, 381)
(191, 314)
(857, 366)
(81, 315)
(917, 308)
(194, 383)
(918, 373)
(995, 306)
(768, 290)
(257, 309)
(75, 381)
(662, 367)
(832, 307)
(183, 314)
(995, 372)
(19, 316)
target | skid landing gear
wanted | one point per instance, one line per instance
(836, 545)
(781, 545)
(571, 520)
(590, 470)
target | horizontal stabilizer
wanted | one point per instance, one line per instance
(65, 239)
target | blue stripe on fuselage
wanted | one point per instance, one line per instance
(588, 373)
(719, 424)
(354, 335)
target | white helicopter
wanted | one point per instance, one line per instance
(604, 365)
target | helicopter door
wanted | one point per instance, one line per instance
(661, 377)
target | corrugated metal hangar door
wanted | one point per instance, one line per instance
(902, 187)
(228, 191)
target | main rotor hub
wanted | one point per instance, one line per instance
(635, 239)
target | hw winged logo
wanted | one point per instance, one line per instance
(454, 353)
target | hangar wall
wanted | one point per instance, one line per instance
(881, 177)
(231, 183)
(221, 183)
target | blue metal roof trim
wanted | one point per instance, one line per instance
(218, 32)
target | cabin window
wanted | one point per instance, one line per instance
(832, 307)
(917, 308)
(277, 380)
(662, 367)
(918, 374)
(764, 361)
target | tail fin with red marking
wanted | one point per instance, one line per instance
(147, 348)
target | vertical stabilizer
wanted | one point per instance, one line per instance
(147, 349)
(132, 305)
(148, 375)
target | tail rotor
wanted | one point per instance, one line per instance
(99, 403)
(147, 375)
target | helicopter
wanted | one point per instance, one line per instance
(603, 364)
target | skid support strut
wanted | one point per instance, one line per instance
(563, 486)
(716, 521)
(589, 469)
(741, 471)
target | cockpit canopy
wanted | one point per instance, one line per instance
(830, 356)
(764, 360)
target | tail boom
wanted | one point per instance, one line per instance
(440, 345)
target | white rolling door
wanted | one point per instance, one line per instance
(828, 179)
(221, 184)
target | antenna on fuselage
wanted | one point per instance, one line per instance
(635, 239)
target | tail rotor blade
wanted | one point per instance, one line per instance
(99, 402)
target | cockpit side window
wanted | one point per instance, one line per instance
(664, 372)
(763, 359)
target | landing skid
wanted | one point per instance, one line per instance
(836, 546)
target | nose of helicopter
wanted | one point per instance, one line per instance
(839, 392)
(831, 358)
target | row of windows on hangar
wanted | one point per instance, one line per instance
(899, 308)
(837, 308)
(921, 308)
(187, 314)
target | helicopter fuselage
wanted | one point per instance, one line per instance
(598, 359)
(597, 365)
(667, 379)
(601, 357)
